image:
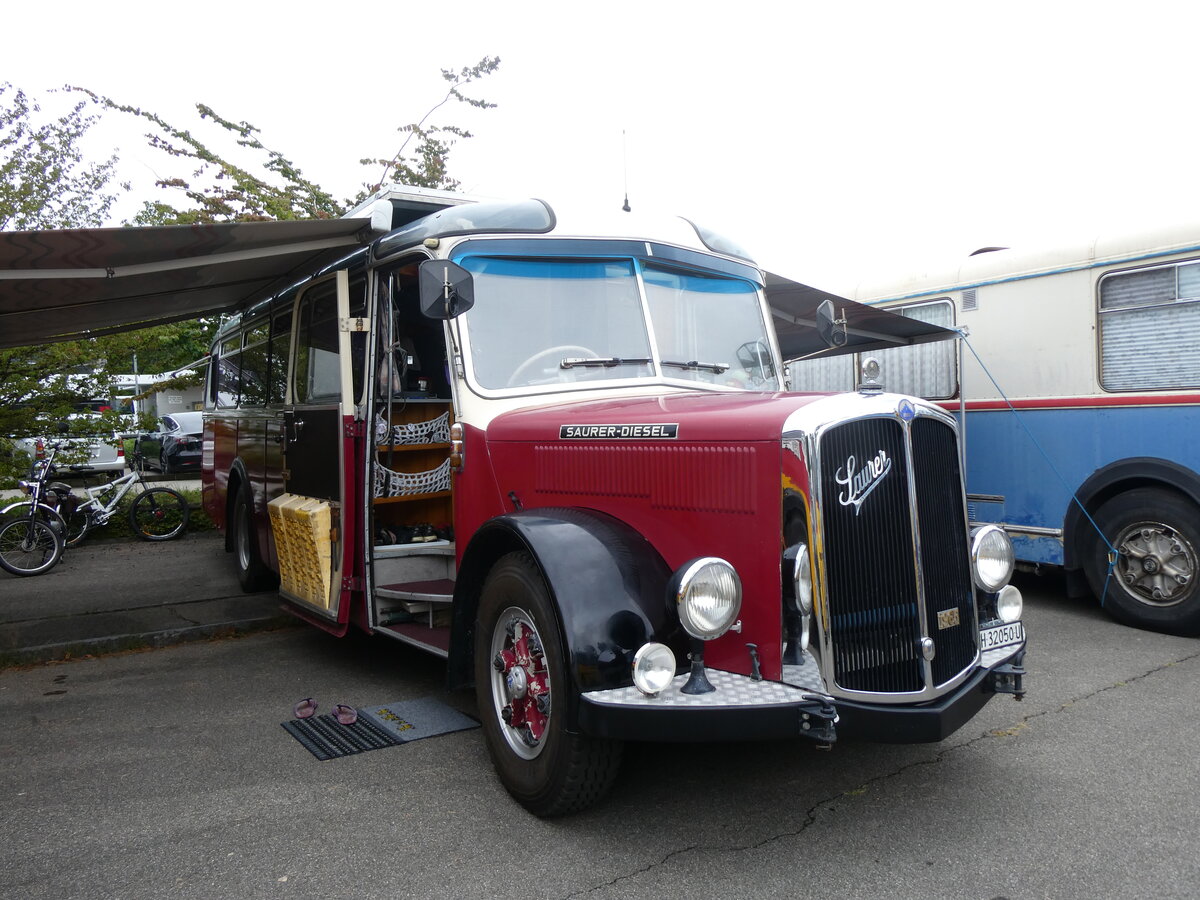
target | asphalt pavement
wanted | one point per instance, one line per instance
(167, 774)
(115, 594)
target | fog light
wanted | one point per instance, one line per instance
(653, 668)
(1009, 604)
(991, 557)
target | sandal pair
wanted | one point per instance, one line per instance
(346, 715)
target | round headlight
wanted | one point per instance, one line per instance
(991, 557)
(802, 576)
(709, 597)
(1009, 604)
(653, 668)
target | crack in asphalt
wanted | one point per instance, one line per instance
(811, 814)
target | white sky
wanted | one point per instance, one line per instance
(833, 140)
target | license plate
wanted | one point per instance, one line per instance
(1001, 636)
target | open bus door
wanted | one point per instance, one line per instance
(309, 520)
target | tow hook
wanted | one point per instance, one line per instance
(1008, 678)
(817, 721)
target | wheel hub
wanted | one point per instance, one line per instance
(1156, 564)
(523, 685)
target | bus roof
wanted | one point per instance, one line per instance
(1001, 264)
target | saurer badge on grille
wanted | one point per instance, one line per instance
(860, 482)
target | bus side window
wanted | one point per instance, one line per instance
(281, 342)
(254, 367)
(317, 376)
(228, 373)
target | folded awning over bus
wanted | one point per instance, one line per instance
(59, 285)
(794, 309)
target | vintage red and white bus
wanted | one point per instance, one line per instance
(559, 452)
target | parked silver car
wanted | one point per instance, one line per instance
(84, 454)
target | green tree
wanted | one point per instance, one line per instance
(46, 181)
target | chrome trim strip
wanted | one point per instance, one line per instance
(914, 519)
(1033, 531)
(1027, 530)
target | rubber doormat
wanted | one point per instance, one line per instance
(326, 738)
(385, 725)
(411, 720)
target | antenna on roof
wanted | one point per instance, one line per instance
(625, 159)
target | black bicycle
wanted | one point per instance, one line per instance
(33, 532)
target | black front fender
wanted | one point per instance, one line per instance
(606, 580)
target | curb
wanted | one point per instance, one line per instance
(75, 649)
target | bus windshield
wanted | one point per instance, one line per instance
(559, 321)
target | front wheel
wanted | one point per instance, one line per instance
(29, 546)
(1156, 534)
(159, 514)
(521, 685)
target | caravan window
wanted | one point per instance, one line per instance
(924, 370)
(1150, 328)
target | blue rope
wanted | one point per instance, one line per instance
(1112, 551)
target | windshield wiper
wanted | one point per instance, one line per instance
(606, 361)
(716, 368)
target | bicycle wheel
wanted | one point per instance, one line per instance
(29, 546)
(78, 525)
(159, 514)
(45, 513)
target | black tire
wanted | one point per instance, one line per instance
(78, 525)
(253, 575)
(1156, 533)
(29, 547)
(163, 466)
(546, 769)
(159, 514)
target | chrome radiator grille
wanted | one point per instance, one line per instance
(885, 583)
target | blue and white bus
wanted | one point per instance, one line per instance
(1094, 349)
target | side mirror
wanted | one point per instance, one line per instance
(755, 358)
(831, 329)
(447, 289)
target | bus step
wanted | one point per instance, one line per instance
(430, 548)
(438, 591)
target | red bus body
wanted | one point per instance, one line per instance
(621, 535)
